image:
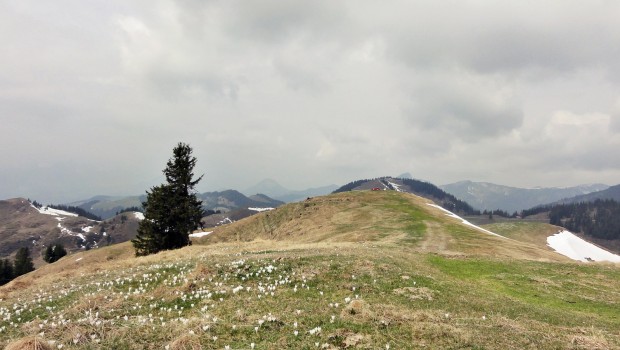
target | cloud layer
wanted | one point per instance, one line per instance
(93, 96)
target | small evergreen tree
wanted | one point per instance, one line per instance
(54, 252)
(172, 210)
(6, 271)
(23, 262)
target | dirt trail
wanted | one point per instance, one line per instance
(436, 240)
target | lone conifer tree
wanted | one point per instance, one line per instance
(23, 262)
(54, 252)
(172, 210)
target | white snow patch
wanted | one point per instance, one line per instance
(138, 215)
(78, 259)
(225, 221)
(568, 244)
(260, 209)
(451, 214)
(66, 231)
(87, 228)
(200, 234)
(396, 186)
(54, 212)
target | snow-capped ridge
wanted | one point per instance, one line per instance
(53, 212)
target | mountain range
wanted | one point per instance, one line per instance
(107, 207)
(612, 192)
(484, 195)
(276, 191)
(22, 224)
(353, 270)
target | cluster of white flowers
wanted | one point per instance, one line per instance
(195, 294)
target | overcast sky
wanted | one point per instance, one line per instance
(95, 94)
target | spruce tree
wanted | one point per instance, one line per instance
(6, 271)
(172, 210)
(23, 262)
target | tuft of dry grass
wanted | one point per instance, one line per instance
(28, 343)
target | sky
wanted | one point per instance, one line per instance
(95, 94)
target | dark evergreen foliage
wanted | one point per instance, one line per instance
(350, 186)
(536, 210)
(23, 262)
(172, 210)
(76, 210)
(600, 219)
(130, 209)
(6, 271)
(209, 212)
(449, 202)
(498, 212)
(53, 253)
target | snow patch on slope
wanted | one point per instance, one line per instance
(395, 186)
(66, 231)
(260, 209)
(138, 215)
(53, 212)
(200, 234)
(451, 214)
(568, 244)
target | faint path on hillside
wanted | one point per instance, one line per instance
(436, 240)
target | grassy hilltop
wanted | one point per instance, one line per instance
(367, 270)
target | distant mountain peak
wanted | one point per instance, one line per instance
(268, 186)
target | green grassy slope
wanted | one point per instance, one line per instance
(358, 283)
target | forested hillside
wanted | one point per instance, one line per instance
(600, 219)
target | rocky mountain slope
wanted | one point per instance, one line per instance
(24, 225)
(612, 192)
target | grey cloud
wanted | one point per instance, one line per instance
(306, 92)
(464, 106)
(508, 36)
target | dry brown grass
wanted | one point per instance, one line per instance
(28, 343)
